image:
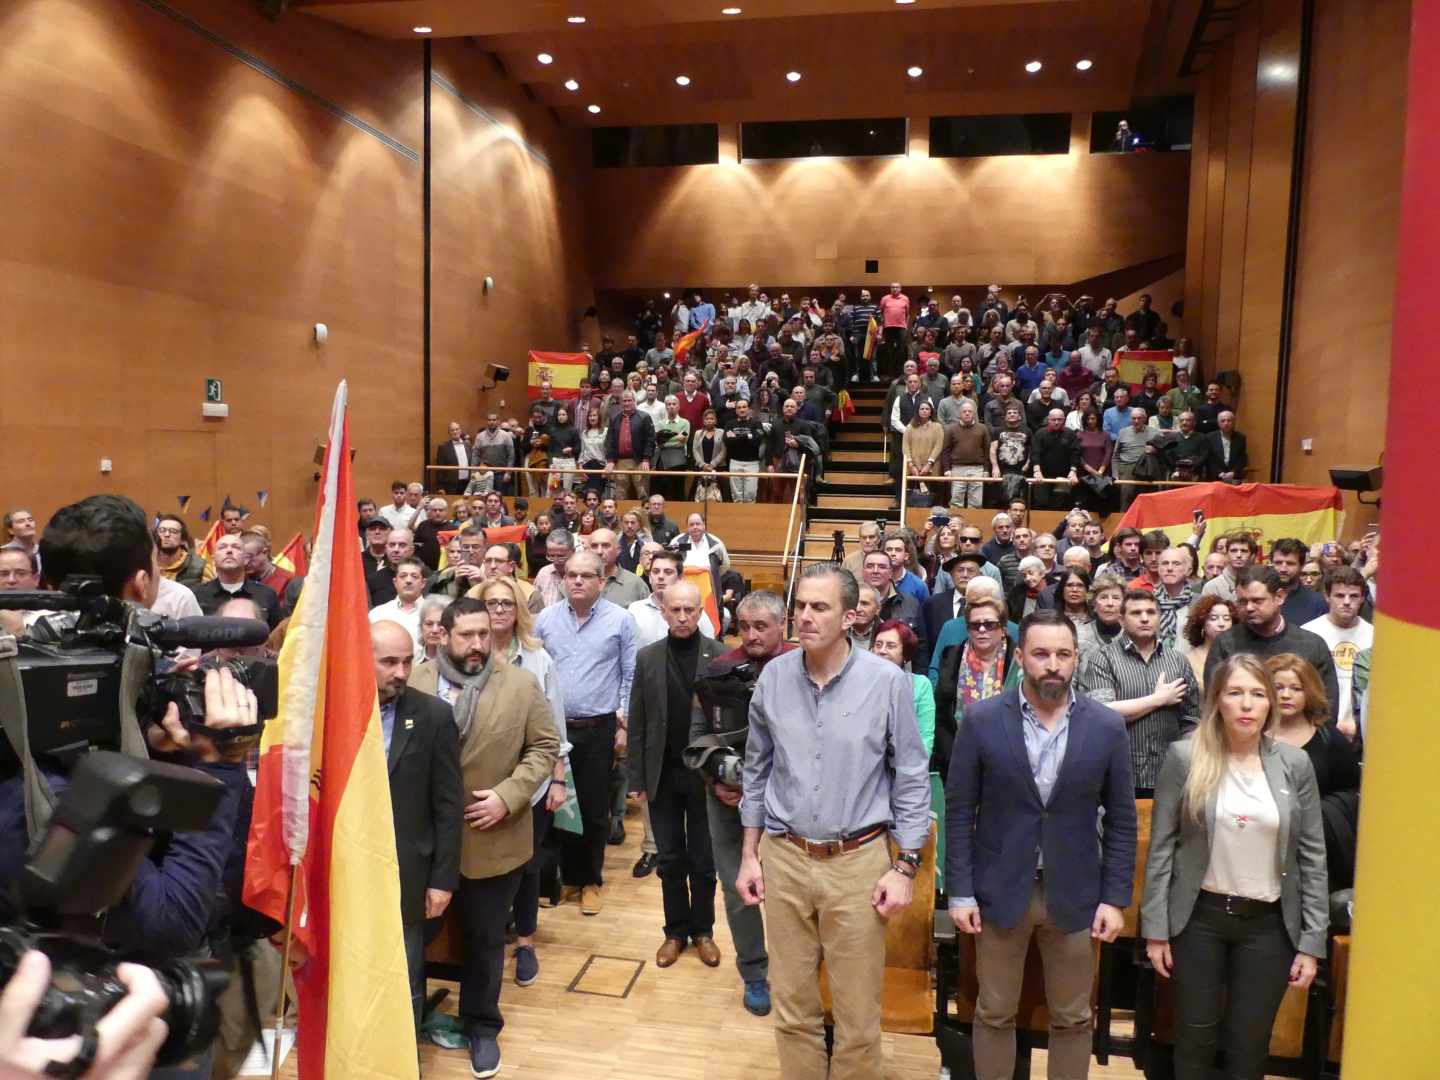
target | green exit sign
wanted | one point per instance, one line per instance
(214, 390)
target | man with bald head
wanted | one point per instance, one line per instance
(621, 586)
(661, 700)
(1055, 453)
(422, 749)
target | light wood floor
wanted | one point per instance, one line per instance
(683, 1023)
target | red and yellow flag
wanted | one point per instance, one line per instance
(1133, 364)
(704, 580)
(1270, 512)
(872, 335)
(322, 806)
(292, 556)
(563, 371)
(686, 343)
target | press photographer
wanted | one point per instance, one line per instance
(175, 903)
(717, 752)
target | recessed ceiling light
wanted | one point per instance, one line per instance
(593, 108)
(571, 84)
(1083, 65)
(915, 71)
(1033, 66)
(576, 19)
(793, 76)
(904, 1)
(422, 29)
(667, 296)
(723, 11)
(545, 58)
(682, 80)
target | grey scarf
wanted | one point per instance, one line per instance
(471, 687)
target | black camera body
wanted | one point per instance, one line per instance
(724, 689)
(72, 668)
(102, 829)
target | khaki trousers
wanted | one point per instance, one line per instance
(1069, 963)
(820, 909)
(624, 483)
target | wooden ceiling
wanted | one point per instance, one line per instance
(853, 55)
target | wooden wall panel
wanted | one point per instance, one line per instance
(498, 210)
(1063, 218)
(173, 214)
(1345, 280)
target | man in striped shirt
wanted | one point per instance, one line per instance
(1151, 686)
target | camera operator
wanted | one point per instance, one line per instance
(761, 616)
(172, 902)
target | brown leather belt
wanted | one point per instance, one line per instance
(825, 849)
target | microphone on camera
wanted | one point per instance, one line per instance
(208, 632)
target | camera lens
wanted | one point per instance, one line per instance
(193, 1017)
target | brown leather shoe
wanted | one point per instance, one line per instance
(708, 951)
(668, 953)
(568, 893)
(590, 900)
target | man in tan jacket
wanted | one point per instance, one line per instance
(508, 746)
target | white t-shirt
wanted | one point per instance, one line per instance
(400, 516)
(1344, 645)
(408, 619)
(1247, 832)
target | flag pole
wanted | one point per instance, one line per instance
(284, 975)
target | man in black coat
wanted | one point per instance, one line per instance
(1228, 453)
(659, 718)
(422, 752)
(630, 444)
(455, 451)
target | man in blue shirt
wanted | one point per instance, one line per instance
(1029, 373)
(1117, 417)
(702, 312)
(897, 547)
(593, 644)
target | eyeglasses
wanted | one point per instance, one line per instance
(582, 576)
(969, 539)
(500, 605)
(168, 530)
(983, 626)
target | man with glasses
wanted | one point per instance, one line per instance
(454, 581)
(593, 644)
(499, 562)
(970, 540)
(175, 558)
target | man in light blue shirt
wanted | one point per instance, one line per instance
(1117, 417)
(701, 312)
(593, 644)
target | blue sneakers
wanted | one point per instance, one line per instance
(527, 967)
(757, 996)
(484, 1056)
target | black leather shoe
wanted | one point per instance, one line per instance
(645, 865)
(617, 833)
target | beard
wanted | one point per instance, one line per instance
(1049, 688)
(470, 663)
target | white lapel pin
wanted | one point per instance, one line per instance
(410, 723)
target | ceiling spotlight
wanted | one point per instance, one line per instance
(1083, 65)
(422, 29)
(571, 84)
(1033, 66)
(593, 108)
(723, 11)
(682, 80)
(904, 1)
(667, 295)
(545, 58)
(915, 71)
(793, 76)
(576, 19)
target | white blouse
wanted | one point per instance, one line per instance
(1247, 831)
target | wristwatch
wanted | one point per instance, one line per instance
(909, 858)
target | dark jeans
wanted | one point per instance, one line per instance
(890, 353)
(747, 928)
(1230, 976)
(686, 866)
(536, 874)
(582, 858)
(484, 909)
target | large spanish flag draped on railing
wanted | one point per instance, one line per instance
(1390, 1027)
(563, 371)
(1269, 511)
(322, 804)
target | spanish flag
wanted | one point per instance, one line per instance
(686, 343)
(1269, 512)
(292, 556)
(510, 534)
(563, 371)
(872, 335)
(322, 808)
(704, 580)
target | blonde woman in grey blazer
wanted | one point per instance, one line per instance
(1236, 901)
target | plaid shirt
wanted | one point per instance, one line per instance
(1119, 673)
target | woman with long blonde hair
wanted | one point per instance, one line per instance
(1236, 899)
(513, 641)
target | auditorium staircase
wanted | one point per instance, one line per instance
(857, 486)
